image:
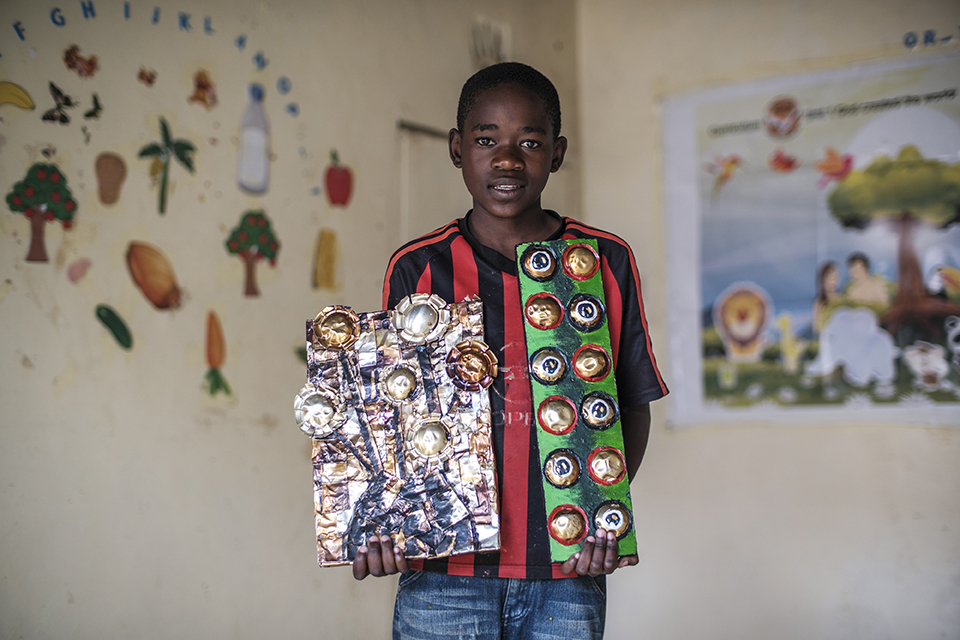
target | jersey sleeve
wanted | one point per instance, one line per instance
(400, 279)
(639, 380)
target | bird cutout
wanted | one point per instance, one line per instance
(63, 101)
(723, 168)
(86, 134)
(15, 94)
(147, 76)
(834, 167)
(94, 113)
(85, 67)
(203, 90)
(780, 162)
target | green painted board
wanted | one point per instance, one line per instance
(565, 323)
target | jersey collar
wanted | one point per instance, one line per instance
(493, 257)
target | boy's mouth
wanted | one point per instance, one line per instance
(506, 188)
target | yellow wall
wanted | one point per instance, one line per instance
(760, 531)
(136, 505)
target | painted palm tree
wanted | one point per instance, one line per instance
(163, 151)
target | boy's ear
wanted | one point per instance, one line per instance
(559, 150)
(454, 148)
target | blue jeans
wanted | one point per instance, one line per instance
(435, 606)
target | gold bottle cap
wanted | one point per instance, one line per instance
(557, 415)
(543, 311)
(606, 465)
(318, 410)
(599, 409)
(336, 327)
(586, 312)
(591, 363)
(613, 516)
(421, 318)
(399, 383)
(580, 261)
(429, 438)
(472, 365)
(567, 524)
(548, 366)
(539, 262)
(562, 468)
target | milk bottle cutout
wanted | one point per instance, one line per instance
(254, 163)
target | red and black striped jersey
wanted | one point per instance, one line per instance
(452, 264)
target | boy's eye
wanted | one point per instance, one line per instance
(484, 142)
(530, 144)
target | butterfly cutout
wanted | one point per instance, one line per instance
(95, 112)
(58, 113)
(147, 76)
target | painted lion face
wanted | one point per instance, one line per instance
(742, 316)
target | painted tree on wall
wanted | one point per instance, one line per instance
(907, 191)
(253, 240)
(42, 196)
(165, 150)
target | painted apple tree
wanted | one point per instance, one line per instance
(253, 240)
(905, 192)
(42, 196)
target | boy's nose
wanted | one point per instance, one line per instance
(508, 160)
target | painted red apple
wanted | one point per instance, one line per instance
(339, 181)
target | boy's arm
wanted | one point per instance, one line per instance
(636, 432)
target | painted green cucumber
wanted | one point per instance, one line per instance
(115, 324)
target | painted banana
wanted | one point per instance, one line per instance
(14, 94)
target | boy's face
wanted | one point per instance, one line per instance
(506, 151)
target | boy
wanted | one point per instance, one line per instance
(507, 143)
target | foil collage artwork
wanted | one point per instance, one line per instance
(579, 434)
(397, 406)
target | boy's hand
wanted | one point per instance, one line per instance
(378, 558)
(598, 557)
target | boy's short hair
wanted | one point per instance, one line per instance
(510, 73)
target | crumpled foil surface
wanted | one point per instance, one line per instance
(398, 447)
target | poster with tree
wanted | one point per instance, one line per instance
(42, 196)
(253, 240)
(824, 210)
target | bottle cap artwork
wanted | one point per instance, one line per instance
(397, 405)
(579, 434)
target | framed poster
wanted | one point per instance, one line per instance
(814, 246)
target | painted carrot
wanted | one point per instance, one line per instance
(216, 355)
